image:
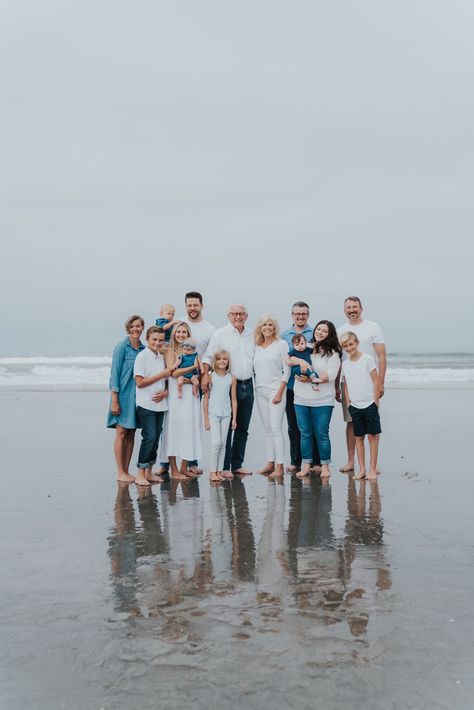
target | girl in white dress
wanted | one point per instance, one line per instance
(220, 406)
(182, 431)
(271, 377)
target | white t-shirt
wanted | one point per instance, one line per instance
(325, 395)
(201, 332)
(358, 380)
(269, 365)
(147, 364)
(368, 333)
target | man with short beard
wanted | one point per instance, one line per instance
(371, 342)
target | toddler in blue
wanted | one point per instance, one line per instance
(301, 351)
(166, 320)
(189, 358)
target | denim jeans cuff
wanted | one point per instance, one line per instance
(305, 461)
(326, 461)
(146, 465)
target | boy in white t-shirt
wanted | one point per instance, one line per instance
(362, 392)
(150, 376)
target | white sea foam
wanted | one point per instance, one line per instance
(78, 372)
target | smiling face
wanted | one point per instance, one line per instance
(268, 329)
(321, 332)
(193, 308)
(135, 329)
(350, 346)
(156, 342)
(181, 334)
(222, 363)
(300, 315)
(237, 316)
(353, 311)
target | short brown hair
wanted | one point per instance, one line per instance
(130, 320)
(353, 298)
(153, 329)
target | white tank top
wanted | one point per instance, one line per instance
(219, 399)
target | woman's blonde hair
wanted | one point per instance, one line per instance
(259, 339)
(173, 344)
(219, 354)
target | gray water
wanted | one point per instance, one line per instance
(250, 593)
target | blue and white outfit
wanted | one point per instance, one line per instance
(121, 381)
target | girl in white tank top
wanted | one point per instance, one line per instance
(220, 411)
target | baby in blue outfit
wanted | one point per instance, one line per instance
(301, 351)
(167, 320)
(188, 359)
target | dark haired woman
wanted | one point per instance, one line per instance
(314, 407)
(121, 415)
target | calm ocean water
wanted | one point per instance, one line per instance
(405, 370)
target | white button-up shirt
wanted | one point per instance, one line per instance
(240, 347)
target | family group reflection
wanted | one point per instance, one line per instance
(169, 545)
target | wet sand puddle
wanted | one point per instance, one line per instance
(209, 600)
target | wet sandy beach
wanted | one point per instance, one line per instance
(249, 594)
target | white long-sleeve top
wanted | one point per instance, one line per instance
(270, 366)
(326, 394)
(240, 347)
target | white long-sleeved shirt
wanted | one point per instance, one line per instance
(240, 347)
(270, 366)
(326, 394)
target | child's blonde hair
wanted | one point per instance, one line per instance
(219, 354)
(167, 307)
(345, 337)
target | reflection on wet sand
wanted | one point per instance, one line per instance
(176, 557)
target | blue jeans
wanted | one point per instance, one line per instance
(237, 440)
(314, 419)
(151, 424)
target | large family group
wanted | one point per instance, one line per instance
(190, 371)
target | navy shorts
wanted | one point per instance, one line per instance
(365, 421)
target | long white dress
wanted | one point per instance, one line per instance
(182, 430)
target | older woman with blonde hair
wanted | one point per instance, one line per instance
(271, 377)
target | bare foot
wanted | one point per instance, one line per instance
(214, 477)
(292, 469)
(187, 473)
(359, 476)
(347, 467)
(195, 469)
(276, 474)
(372, 476)
(161, 471)
(226, 475)
(153, 478)
(140, 480)
(125, 478)
(242, 472)
(316, 468)
(325, 472)
(177, 476)
(304, 471)
(268, 468)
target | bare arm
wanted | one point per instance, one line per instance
(205, 408)
(141, 381)
(279, 394)
(382, 356)
(346, 394)
(377, 386)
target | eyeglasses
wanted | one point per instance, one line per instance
(240, 314)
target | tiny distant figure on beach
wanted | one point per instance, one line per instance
(167, 320)
(189, 359)
(362, 390)
(301, 351)
(220, 412)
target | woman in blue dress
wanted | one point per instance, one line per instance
(121, 415)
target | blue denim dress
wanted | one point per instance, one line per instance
(121, 381)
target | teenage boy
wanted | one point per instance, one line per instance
(362, 391)
(150, 375)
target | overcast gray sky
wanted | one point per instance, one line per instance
(255, 151)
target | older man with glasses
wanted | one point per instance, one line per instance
(239, 343)
(300, 315)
